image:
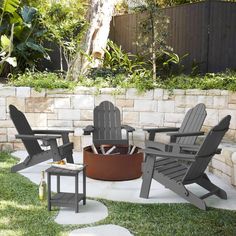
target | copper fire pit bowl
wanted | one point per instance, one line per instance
(117, 167)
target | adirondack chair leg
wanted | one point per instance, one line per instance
(148, 168)
(31, 161)
(195, 200)
(181, 190)
(207, 184)
(18, 167)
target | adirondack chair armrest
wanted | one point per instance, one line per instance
(37, 137)
(64, 133)
(152, 131)
(48, 140)
(189, 148)
(179, 156)
(194, 147)
(177, 134)
(48, 131)
(161, 130)
(88, 129)
(128, 128)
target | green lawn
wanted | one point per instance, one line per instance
(21, 213)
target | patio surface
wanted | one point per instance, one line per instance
(118, 191)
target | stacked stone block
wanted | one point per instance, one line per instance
(60, 109)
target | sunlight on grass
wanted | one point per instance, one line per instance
(7, 232)
(7, 204)
(5, 220)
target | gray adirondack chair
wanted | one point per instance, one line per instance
(30, 139)
(175, 171)
(185, 136)
(107, 126)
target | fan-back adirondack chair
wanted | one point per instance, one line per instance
(107, 126)
(176, 170)
(185, 136)
(30, 139)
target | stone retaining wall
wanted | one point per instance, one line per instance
(62, 109)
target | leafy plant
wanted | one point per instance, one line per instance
(161, 3)
(6, 41)
(152, 34)
(141, 80)
(120, 69)
(41, 80)
(121, 7)
(66, 24)
(119, 61)
(8, 6)
(169, 64)
(6, 46)
(27, 35)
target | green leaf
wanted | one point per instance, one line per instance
(10, 5)
(35, 47)
(18, 30)
(5, 42)
(15, 18)
(28, 14)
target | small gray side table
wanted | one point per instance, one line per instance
(64, 199)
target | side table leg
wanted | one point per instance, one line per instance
(49, 191)
(76, 193)
(84, 185)
(58, 183)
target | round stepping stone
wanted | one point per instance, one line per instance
(101, 230)
(92, 212)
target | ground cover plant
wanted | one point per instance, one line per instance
(41, 80)
(141, 80)
(21, 213)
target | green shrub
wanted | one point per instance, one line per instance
(225, 80)
(140, 79)
(28, 34)
(41, 80)
(120, 70)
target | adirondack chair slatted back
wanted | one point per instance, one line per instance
(107, 124)
(208, 149)
(192, 122)
(23, 127)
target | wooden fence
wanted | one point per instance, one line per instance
(206, 31)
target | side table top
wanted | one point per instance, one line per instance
(62, 171)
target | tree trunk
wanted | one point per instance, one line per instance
(153, 48)
(95, 40)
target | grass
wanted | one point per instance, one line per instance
(21, 213)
